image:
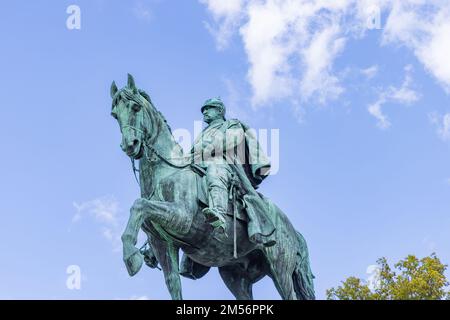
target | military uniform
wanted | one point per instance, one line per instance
(221, 143)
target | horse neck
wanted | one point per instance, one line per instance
(152, 168)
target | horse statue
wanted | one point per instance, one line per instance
(170, 213)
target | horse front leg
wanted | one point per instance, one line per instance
(168, 256)
(170, 215)
(132, 257)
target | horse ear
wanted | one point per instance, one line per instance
(131, 83)
(113, 89)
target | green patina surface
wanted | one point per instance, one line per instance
(205, 203)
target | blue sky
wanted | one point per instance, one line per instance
(363, 116)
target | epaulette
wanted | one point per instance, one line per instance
(232, 122)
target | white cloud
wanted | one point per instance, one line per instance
(292, 45)
(370, 72)
(424, 27)
(105, 211)
(375, 110)
(373, 279)
(108, 233)
(235, 101)
(286, 58)
(318, 58)
(139, 298)
(142, 11)
(442, 124)
(403, 95)
(226, 15)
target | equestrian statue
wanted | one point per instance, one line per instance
(205, 203)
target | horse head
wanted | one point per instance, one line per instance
(131, 109)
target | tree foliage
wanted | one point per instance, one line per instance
(411, 279)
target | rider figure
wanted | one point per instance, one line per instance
(215, 147)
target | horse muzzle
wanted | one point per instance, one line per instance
(133, 148)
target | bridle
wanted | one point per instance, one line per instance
(153, 151)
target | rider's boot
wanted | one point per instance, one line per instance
(218, 204)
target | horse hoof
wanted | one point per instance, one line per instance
(134, 262)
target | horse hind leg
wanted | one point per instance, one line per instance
(285, 285)
(281, 271)
(237, 281)
(168, 256)
(240, 277)
(291, 272)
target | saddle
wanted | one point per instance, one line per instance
(249, 208)
(260, 229)
(202, 195)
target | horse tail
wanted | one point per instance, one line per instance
(303, 277)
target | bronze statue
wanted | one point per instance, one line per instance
(206, 204)
(215, 149)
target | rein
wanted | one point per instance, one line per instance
(154, 151)
(133, 98)
(162, 232)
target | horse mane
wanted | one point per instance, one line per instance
(138, 99)
(160, 117)
(143, 99)
(147, 98)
